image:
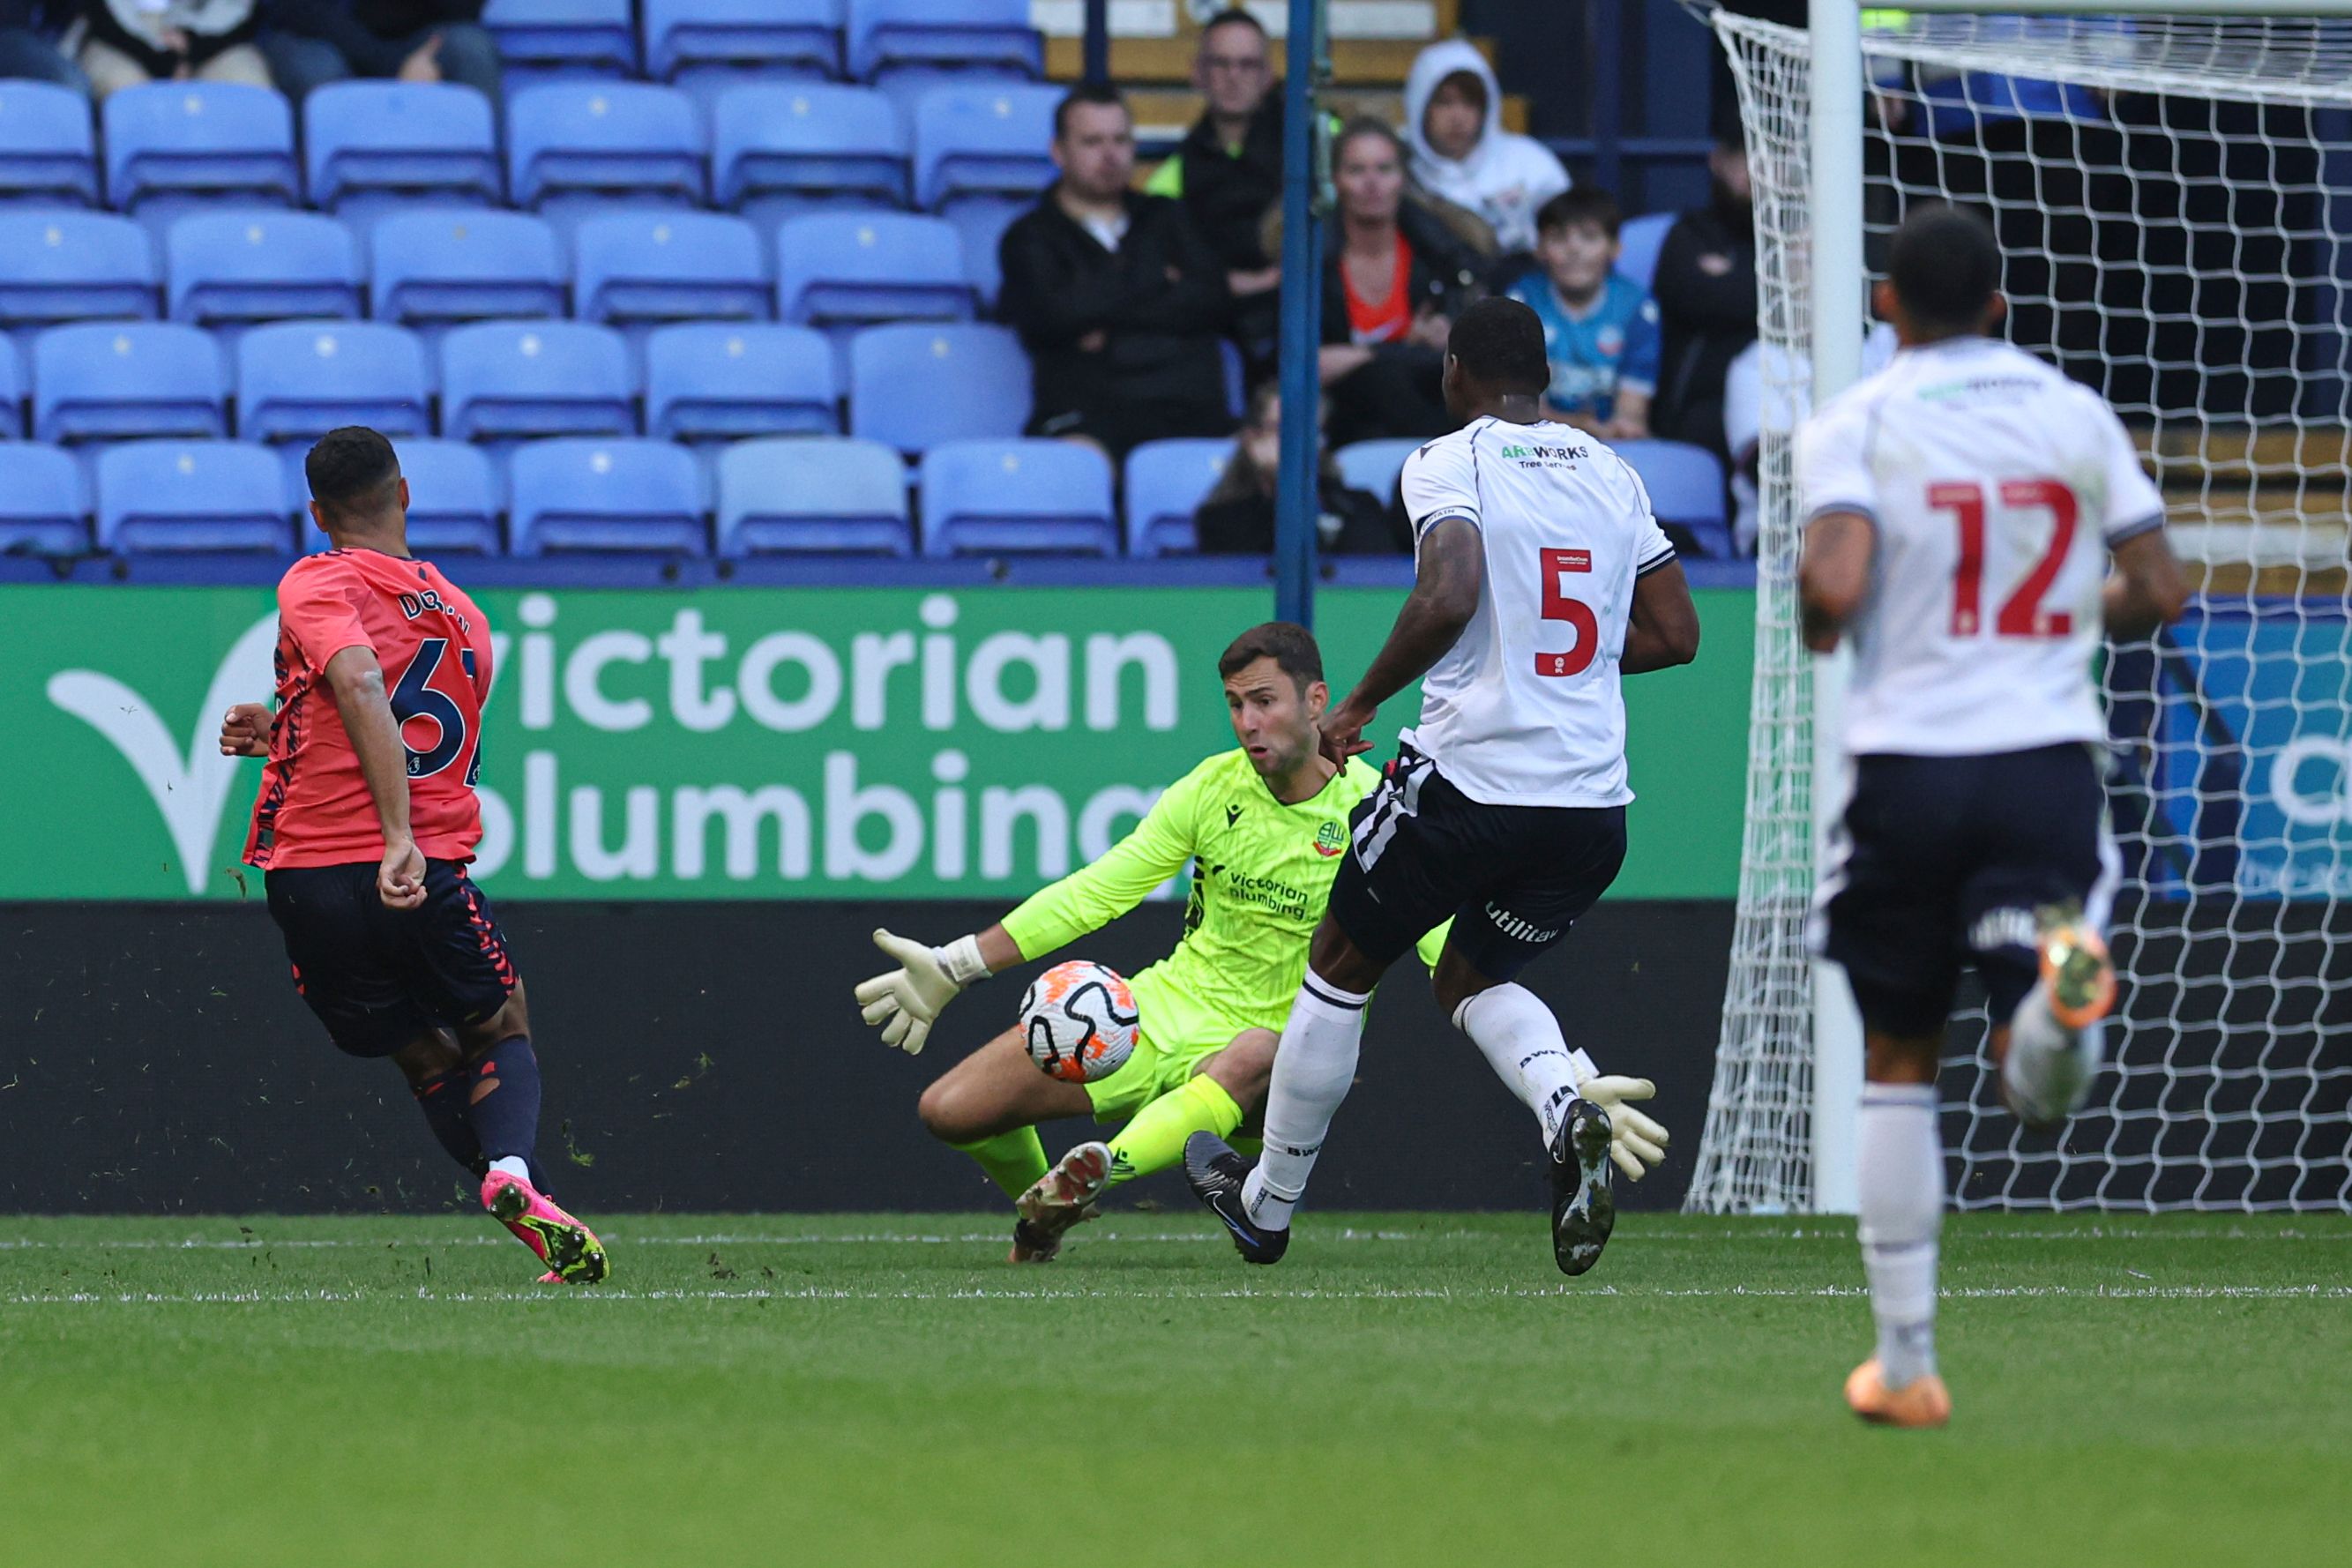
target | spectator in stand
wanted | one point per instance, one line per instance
(1706, 290)
(29, 30)
(1119, 301)
(1394, 278)
(1228, 171)
(126, 42)
(1601, 328)
(1462, 154)
(313, 42)
(1769, 390)
(1237, 516)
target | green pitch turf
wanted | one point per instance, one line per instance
(1405, 1389)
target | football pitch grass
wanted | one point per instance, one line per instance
(1404, 1389)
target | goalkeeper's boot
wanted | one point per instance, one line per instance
(570, 1250)
(1922, 1402)
(2075, 967)
(1583, 1210)
(1062, 1197)
(1217, 1175)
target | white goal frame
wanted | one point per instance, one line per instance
(1838, 281)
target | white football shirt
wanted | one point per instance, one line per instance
(1527, 708)
(1996, 486)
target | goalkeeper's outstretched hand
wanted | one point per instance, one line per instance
(906, 1000)
(1636, 1140)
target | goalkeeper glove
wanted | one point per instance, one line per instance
(1637, 1142)
(906, 1000)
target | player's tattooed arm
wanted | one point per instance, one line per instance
(1448, 580)
(357, 681)
(2148, 590)
(1833, 576)
(245, 730)
(1662, 629)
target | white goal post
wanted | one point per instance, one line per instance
(2171, 181)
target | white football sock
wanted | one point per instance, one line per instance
(1522, 1042)
(1313, 1069)
(2048, 1069)
(514, 1165)
(1901, 1162)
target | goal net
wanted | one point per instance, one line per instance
(2173, 196)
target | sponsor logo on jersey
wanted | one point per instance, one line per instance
(1543, 453)
(1329, 840)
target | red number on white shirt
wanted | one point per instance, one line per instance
(2020, 614)
(1559, 606)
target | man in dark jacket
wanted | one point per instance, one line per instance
(313, 42)
(1706, 290)
(1228, 170)
(1116, 296)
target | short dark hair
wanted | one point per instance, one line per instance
(1290, 645)
(1232, 16)
(1945, 265)
(1500, 344)
(1580, 204)
(1472, 84)
(352, 470)
(1368, 125)
(1087, 92)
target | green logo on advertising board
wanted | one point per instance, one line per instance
(836, 742)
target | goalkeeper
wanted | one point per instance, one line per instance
(1264, 826)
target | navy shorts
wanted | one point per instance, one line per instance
(1513, 878)
(1942, 862)
(377, 977)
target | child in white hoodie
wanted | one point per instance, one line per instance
(1461, 153)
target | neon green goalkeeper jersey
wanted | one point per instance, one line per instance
(1260, 873)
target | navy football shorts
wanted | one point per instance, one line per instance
(378, 977)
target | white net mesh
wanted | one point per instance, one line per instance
(2174, 202)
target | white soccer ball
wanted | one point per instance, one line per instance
(1078, 1020)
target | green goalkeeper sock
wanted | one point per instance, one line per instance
(1014, 1160)
(1155, 1139)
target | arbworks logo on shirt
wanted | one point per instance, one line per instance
(1539, 453)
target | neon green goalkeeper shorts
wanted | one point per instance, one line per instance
(1175, 1036)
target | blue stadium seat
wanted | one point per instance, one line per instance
(115, 380)
(508, 380)
(870, 267)
(1639, 240)
(895, 372)
(260, 266)
(668, 266)
(459, 265)
(432, 141)
(606, 139)
(455, 498)
(172, 495)
(983, 498)
(12, 391)
(981, 223)
(298, 380)
(818, 495)
(769, 35)
(1165, 482)
(588, 35)
(606, 495)
(1372, 466)
(992, 140)
(47, 152)
(199, 138)
(720, 380)
(814, 142)
(60, 266)
(41, 509)
(1686, 486)
(887, 35)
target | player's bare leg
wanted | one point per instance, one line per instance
(1313, 1067)
(2050, 1049)
(1521, 1040)
(988, 1106)
(1901, 1174)
(503, 1104)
